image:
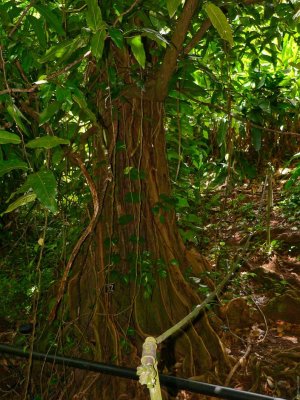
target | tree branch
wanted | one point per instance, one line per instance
(48, 77)
(18, 23)
(126, 12)
(169, 63)
(198, 36)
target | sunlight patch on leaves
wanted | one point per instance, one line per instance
(138, 50)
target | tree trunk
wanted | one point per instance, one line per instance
(132, 284)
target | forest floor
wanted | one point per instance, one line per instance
(258, 315)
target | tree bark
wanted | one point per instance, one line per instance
(135, 239)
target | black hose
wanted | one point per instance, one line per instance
(130, 373)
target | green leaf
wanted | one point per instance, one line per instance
(264, 105)
(219, 21)
(44, 187)
(39, 30)
(182, 202)
(134, 173)
(49, 112)
(97, 43)
(131, 331)
(57, 156)
(125, 219)
(62, 49)
(294, 177)
(120, 145)
(9, 165)
(22, 189)
(132, 197)
(172, 6)
(16, 114)
(50, 17)
(79, 98)
(63, 94)
(154, 35)
(8, 137)
(46, 142)
(117, 37)
(21, 201)
(138, 50)
(43, 183)
(94, 15)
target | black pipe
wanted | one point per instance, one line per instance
(130, 373)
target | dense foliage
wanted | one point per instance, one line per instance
(231, 111)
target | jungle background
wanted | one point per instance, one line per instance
(146, 147)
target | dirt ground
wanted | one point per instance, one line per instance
(258, 315)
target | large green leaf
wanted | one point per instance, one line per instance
(22, 189)
(8, 137)
(117, 37)
(50, 17)
(48, 113)
(154, 35)
(94, 15)
(80, 99)
(16, 114)
(46, 142)
(39, 30)
(172, 6)
(62, 49)
(44, 185)
(9, 165)
(97, 43)
(219, 21)
(138, 50)
(21, 201)
(125, 219)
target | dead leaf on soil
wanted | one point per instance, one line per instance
(292, 339)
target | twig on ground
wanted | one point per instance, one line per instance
(238, 364)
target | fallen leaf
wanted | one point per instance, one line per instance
(270, 382)
(292, 339)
